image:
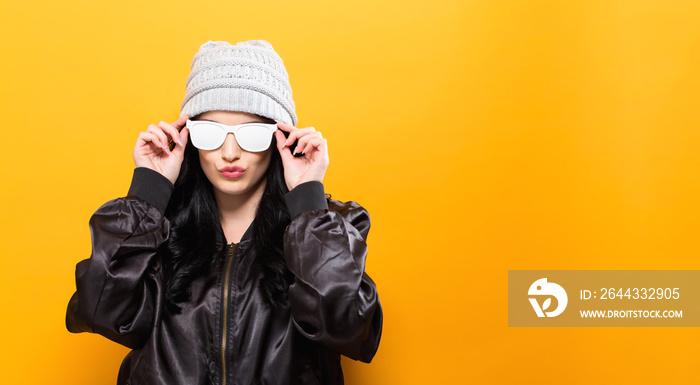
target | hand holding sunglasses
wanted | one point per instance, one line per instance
(153, 148)
(313, 162)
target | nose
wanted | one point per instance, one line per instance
(230, 150)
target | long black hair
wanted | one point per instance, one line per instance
(197, 240)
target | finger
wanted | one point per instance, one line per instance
(142, 139)
(147, 140)
(159, 141)
(319, 152)
(280, 139)
(301, 144)
(180, 150)
(158, 132)
(179, 124)
(184, 135)
(298, 133)
(285, 126)
(173, 135)
(324, 149)
(294, 133)
(313, 144)
(171, 131)
(161, 138)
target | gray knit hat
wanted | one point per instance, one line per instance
(247, 77)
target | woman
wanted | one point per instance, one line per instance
(226, 263)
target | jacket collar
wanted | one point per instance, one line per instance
(247, 236)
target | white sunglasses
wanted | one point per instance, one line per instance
(253, 137)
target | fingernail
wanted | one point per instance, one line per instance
(180, 143)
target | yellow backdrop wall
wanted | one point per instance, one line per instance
(482, 136)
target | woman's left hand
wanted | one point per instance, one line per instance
(310, 167)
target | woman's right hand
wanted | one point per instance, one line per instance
(151, 149)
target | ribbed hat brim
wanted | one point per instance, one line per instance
(236, 99)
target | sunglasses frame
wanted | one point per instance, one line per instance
(271, 127)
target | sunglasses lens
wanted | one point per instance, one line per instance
(207, 136)
(254, 138)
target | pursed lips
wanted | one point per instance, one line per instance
(232, 172)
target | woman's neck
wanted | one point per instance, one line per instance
(237, 212)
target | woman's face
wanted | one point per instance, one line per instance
(231, 170)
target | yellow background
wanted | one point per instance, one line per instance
(482, 136)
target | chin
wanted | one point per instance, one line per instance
(238, 188)
(235, 190)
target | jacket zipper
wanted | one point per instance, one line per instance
(224, 323)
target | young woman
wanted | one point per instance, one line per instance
(226, 263)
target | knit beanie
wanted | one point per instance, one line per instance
(247, 77)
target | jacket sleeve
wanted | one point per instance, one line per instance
(118, 287)
(333, 301)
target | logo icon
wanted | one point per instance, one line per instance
(542, 287)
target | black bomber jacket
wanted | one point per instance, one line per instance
(226, 333)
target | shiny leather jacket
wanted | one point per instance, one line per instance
(226, 333)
